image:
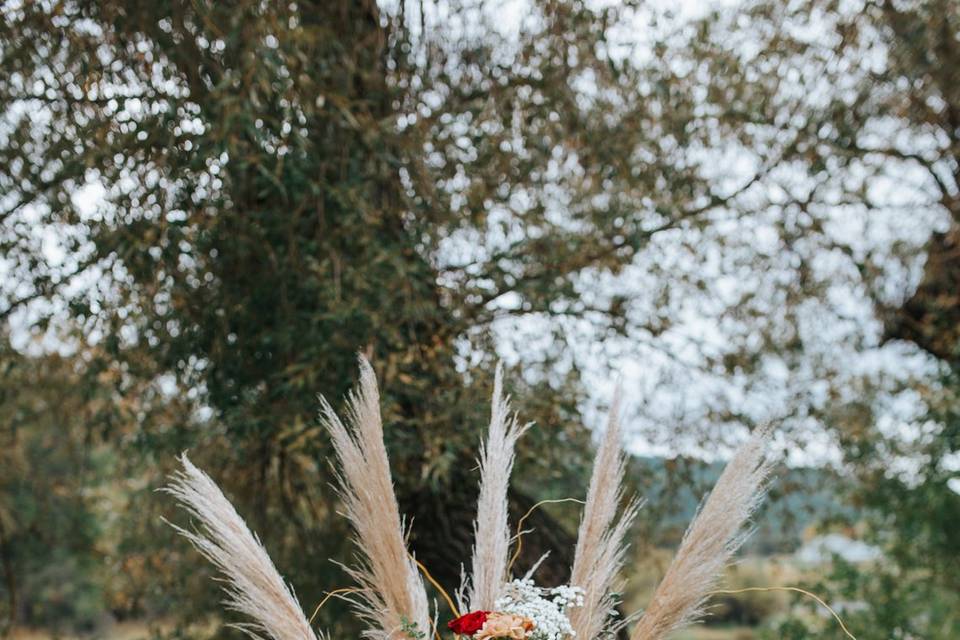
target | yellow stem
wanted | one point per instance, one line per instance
(519, 537)
(823, 604)
(329, 595)
(437, 586)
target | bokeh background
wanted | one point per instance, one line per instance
(746, 212)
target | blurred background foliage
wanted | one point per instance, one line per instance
(207, 209)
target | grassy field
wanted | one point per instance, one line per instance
(122, 631)
(710, 633)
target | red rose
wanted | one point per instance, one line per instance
(469, 623)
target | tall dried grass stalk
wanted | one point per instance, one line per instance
(392, 594)
(491, 529)
(600, 539)
(253, 586)
(708, 544)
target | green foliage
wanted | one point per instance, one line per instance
(81, 543)
(411, 630)
(48, 519)
(911, 516)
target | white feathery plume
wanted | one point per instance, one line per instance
(253, 586)
(709, 542)
(392, 595)
(491, 530)
(600, 540)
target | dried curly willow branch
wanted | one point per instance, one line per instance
(812, 596)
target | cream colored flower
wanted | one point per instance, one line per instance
(505, 625)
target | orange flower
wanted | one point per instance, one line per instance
(505, 625)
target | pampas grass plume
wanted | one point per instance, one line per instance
(600, 539)
(392, 594)
(709, 542)
(253, 585)
(491, 529)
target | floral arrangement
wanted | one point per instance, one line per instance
(390, 596)
(523, 611)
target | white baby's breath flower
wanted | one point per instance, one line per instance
(546, 607)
